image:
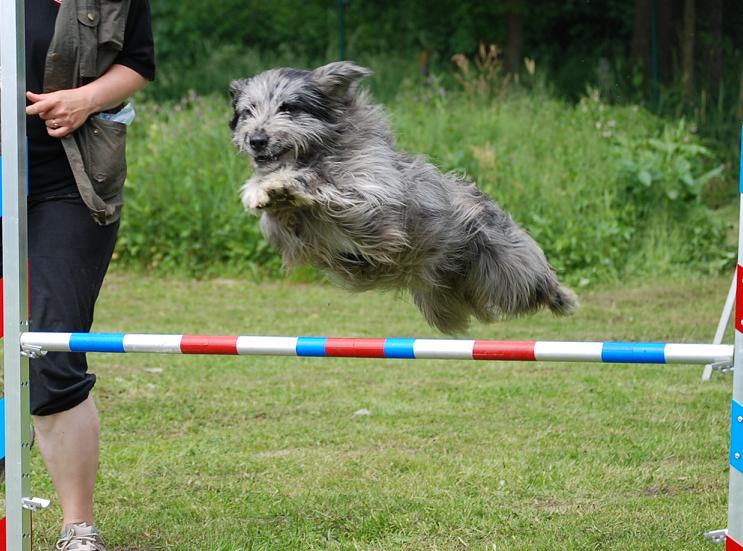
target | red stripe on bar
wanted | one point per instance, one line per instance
(732, 545)
(739, 300)
(504, 350)
(3, 528)
(201, 344)
(354, 348)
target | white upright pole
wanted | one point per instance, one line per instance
(735, 493)
(15, 292)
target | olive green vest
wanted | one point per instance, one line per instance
(88, 35)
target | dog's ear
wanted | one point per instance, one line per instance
(338, 78)
(237, 86)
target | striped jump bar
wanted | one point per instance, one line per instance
(608, 352)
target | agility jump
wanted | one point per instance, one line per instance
(388, 348)
(15, 533)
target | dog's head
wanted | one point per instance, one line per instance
(284, 115)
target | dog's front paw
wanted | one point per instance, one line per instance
(274, 192)
(254, 198)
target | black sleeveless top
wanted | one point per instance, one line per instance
(49, 173)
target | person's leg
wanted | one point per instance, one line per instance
(68, 442)
(69, 255)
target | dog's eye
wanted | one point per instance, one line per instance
(250, 111)
(289, 108)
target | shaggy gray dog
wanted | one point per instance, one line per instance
(333, 192)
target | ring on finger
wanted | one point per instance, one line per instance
(55, 124)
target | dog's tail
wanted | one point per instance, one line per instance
(563, 302)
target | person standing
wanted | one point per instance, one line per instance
(83, 59)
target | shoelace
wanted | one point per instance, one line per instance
(64, 543)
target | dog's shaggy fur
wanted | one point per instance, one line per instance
(333, 192)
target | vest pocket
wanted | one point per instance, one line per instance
(88, 17)
(103, 148)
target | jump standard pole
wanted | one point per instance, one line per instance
(734, 537)
(15, 305)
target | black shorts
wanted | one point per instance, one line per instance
(68, 257)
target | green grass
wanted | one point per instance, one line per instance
(226, 453)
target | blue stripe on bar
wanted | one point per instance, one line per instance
(736, 436)
(2, 428)
(634, 352)
(311, 346)
(399, 348)
(97, 342)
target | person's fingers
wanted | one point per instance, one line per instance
(59, 132)
(40, 107)
(35, 97)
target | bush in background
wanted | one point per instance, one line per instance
(609, 192)
(183, 212)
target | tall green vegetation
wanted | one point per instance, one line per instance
(608, 191)
(182, 206)
(679, 58)
(615, 176)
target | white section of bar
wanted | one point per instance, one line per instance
(698, 353)
(159, 344)
(51, 342)
(268, 346)
(443, 349)
(568, 351)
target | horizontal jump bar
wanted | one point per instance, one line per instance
(555, 351)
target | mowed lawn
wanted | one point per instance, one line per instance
(269, 453)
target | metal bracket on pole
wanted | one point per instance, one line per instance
(35, 503)
(722, 325)
(721, 367)
(717, 536)
(32, 351)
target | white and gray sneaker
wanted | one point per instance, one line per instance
(80, 537)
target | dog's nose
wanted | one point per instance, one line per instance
(258, 141)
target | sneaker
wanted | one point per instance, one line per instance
(80, 537)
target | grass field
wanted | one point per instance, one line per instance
(226, 453)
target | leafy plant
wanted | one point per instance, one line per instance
(668, 170)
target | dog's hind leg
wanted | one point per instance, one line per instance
(511, 276)
(443, 308)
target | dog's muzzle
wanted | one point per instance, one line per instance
(260, 151)
(258, 141)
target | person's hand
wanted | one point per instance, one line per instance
(63, 111)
